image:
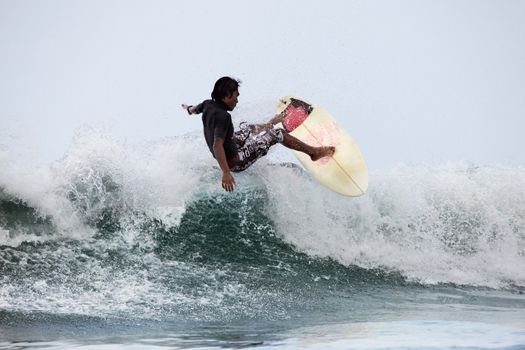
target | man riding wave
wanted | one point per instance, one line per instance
(234, 150)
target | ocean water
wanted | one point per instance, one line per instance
(119, 246)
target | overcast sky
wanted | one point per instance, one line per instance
(413, 81)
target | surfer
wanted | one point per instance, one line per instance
(234, 150)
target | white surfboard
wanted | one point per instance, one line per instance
(345, 172)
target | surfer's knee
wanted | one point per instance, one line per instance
(278, 134)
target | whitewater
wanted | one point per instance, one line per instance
(118, 245)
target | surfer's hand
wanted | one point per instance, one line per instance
(228, 182)
(186, 107)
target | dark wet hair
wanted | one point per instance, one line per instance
(224, 87)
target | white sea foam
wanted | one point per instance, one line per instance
(101, 172)
(36, 185)
(452, 223)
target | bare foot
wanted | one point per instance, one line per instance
(323, 152)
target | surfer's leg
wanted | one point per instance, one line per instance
(278, 118)
(240, 136)
(315, 153)
(256, 147)
(258, 128)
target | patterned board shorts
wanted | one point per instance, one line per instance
(252, 147)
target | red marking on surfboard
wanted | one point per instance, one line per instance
(296, 113)
(295, 116)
